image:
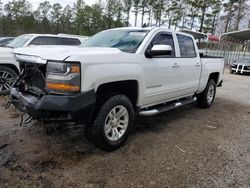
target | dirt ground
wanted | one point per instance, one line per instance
(187, 147)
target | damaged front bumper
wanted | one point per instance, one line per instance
(47, 108)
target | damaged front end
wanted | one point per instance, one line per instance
(50, 91)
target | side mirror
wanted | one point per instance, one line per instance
(158, 50)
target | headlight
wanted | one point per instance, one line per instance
(63, 77)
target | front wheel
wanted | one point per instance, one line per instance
(206, 98)
(113, 123)
(7, 78)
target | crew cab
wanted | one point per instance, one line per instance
(9, 68)
(116, 75)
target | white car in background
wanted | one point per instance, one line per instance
(9, 67)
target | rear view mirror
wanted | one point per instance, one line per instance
(158, 50)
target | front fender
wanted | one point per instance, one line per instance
(98, 74)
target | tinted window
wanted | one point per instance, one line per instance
(70, 41)
(186, 44)
(46, 41)
(164, 39)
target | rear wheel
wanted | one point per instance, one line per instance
(7, 78)
(113, 123)
(206, 98)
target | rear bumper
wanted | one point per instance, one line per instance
(54, 106)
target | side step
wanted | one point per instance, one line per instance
(167, 107)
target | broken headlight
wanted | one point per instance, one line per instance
(63, 77)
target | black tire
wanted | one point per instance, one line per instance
(96, 131)
(231, 71)
(11, 74)
(203, 101)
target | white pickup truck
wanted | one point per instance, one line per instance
(9, 68)
(116, 75)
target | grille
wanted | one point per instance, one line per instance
(33, 76)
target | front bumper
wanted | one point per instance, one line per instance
(52, 107)
(240, 69)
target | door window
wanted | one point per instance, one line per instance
(187, 48)
(164, 39)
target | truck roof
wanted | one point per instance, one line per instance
(149, 29)
(53, 35)
(133, 28)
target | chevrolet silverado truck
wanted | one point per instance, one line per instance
(9, 67)
(116, 75)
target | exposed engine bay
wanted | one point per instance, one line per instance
(32, 79)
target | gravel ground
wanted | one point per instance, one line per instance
(187, 147)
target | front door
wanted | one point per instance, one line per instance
(161, 73)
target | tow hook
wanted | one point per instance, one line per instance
(26, 120)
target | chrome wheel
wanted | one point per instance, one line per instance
(116, 123)
(210, 94)
(6, 80)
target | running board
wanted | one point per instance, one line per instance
(168, 107)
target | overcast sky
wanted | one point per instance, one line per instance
(35, 3)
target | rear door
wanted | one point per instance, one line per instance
(190, 65)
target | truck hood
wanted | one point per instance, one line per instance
(60, 53)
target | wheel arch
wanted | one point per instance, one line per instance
(215, 76)
(11, 66)
(129, 88)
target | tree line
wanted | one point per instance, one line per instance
(212, 16)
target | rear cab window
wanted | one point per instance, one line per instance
(45, 40)
(186, 45)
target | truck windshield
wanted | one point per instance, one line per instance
(19, 41)
(125, 40)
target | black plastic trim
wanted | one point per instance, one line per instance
(59, 104)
